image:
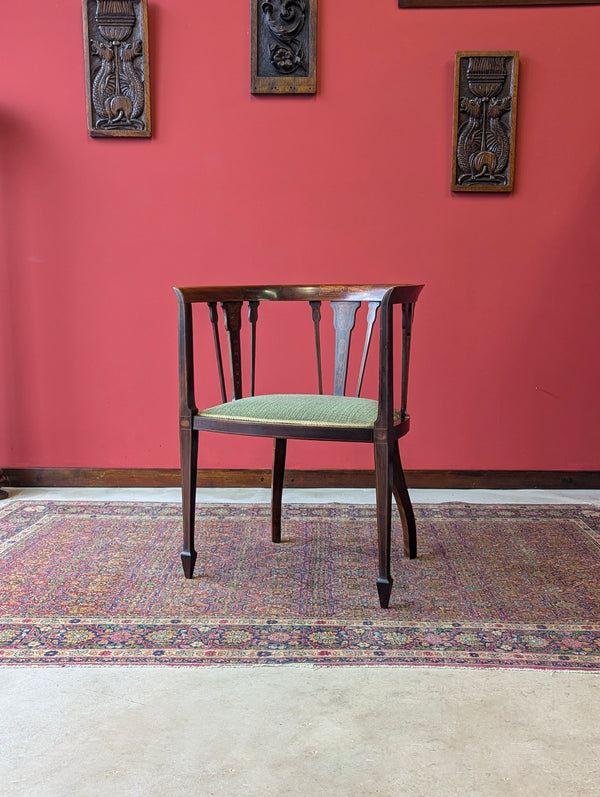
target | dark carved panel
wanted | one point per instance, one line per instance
(485, 113)
(284, 39)
(491, 3)
(115, 34)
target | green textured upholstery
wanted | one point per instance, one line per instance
(302, 409)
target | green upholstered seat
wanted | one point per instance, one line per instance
(299, 408)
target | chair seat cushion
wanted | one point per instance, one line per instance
(300, 409)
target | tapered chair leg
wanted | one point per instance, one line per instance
(189, 469)
(405, 508)
(279, 451)
(383, 489)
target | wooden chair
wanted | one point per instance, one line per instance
(306, 416)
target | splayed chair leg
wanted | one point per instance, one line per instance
(383, 485)
(279, 451)
(384, 589)
(189, 468)
(405, 507)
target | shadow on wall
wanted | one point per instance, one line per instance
(13, 146)
(27, 280)
(560, 321)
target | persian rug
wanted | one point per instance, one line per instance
(493, 586)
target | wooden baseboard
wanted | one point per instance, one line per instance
(430, 479)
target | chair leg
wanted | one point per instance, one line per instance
(279, 450)
(405, 507)
(189, 468)
(383, 488)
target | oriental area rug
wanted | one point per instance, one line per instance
(493, 586)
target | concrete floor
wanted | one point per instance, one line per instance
(298, 730)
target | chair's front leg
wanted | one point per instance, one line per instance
(405, 508)
(189, 468)
(279, 450)
(383, 488)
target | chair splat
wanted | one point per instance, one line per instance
(344, 317)
(407, 319)
(232, 315)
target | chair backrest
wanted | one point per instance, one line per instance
(225, 310)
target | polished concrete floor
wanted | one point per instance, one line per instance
(296, 730)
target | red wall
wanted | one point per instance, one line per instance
(349, 185)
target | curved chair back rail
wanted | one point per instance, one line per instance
(345, 301)
(318, 415)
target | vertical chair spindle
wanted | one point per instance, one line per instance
(253, 318)
(371, 316)
(316, 316)
(214, 320)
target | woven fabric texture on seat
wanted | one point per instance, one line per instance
(299, 408)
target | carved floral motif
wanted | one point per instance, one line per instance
(283, 50)
(285, 20)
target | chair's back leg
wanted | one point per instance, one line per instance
(189, 469)
(383, 489)
(405, 507)
(279, 450)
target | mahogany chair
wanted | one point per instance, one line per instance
(317, 415)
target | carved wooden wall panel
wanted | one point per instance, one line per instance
(491, 3)
(115, 34)
(485, 114)
(284, 47)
